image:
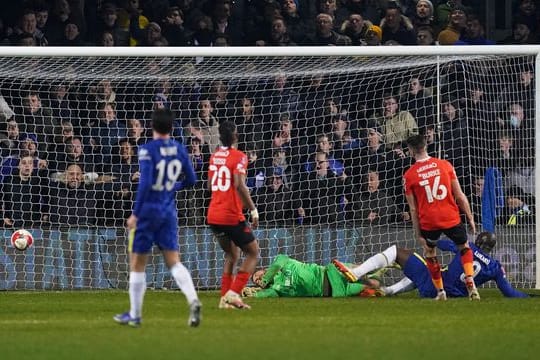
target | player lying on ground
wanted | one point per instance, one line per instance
(417, 274)
(287, 277)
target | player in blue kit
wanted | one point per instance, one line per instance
(162, 162)
(415, 268)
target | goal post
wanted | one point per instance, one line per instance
(324, 129)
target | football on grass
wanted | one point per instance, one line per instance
(22, 239)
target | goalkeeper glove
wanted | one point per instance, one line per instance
(250, 291)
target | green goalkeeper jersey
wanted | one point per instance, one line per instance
(288, 277)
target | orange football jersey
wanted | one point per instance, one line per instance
(225, 205)
(430, 181)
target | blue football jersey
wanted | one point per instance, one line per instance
(486, 269)
(165, 167)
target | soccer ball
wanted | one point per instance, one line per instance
(22, 239)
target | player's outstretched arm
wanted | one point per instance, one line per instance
(506, 288)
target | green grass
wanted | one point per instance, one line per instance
(78, 325)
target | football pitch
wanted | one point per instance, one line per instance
(79, 325)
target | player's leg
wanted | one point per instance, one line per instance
(378, 261)
(244, 239)
(232, 254)
(140, 244)
(458, 235)
(183, 279)
(433, 265)
(166, 237)
(401, 286)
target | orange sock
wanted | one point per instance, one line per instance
(467, 262)
(435, 271)
(226, 281)
(240, 281)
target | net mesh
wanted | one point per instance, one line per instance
(324, 136)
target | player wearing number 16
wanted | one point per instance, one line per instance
(434, 195)
(227, 182)
(162, 161)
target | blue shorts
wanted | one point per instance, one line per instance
(163, 232)
(416, 270)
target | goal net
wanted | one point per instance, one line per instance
(324, 136)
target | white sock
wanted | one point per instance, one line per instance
(376, 262)
(403, 285)
(183, 280)
(137, 287)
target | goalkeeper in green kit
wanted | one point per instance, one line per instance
(287, 277)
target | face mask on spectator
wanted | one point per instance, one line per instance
(514, 121)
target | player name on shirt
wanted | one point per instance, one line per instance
(168, 151)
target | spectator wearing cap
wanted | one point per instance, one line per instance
(397, 27)
(444, 10)
(71, 36)
(521, 33)
(474, 33)
(324, 33)
(424, 36)
(374, 36)
(424, 14)
(356, 29)
(456, 27)
(518, 209)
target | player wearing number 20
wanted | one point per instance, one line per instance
(227, 182)
(434, 194)
(162, 162)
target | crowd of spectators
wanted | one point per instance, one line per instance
(323, 149)
(257, 22)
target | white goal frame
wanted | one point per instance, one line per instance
(531, 50)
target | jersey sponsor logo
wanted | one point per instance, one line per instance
(168, 151)
(426, 167)
(144, 155)
(482, 258)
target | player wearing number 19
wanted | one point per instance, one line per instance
(227, 182)
(154, 218)
(434, 194)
